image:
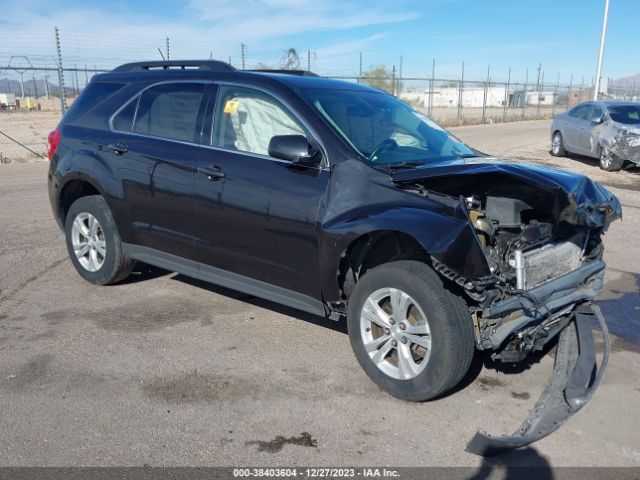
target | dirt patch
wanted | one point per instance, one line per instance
(145, 316)
(487, 383)
(206, 387)
(521, 395)
(30, 373)
(275, 445)
(196, 387)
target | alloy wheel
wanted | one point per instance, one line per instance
(556, 144)
(606, 157)
(395, 333)
(88, 241)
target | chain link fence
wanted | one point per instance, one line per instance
(31, 106)
(30, 102)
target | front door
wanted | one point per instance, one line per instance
(257, 215)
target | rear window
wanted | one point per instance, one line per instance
(94, 94)
(169, 111)
(581, 111)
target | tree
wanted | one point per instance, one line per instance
(378, 77)
(290, 60)
(264, 66)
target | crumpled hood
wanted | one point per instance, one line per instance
(573, 197)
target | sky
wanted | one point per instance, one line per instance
(562, 35)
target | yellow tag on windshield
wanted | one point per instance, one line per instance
(231, 106)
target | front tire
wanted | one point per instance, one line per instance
(412, 336)
(93, 242)
(557, 145)
(609, 161)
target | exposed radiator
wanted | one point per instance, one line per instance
(535, 267)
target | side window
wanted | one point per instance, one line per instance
(246, 120)
(169, 110)
(580, 111)
(123, 121)
(596, 114)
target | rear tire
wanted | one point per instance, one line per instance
(609, 161)
(431, 328)
(93, 242)
(557, 145)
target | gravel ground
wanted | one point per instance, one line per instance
(165, 370)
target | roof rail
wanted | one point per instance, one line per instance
(210, 65)
(300, 73)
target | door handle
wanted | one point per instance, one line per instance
(213, 172)
(118, 148)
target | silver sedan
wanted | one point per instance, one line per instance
(607, 130)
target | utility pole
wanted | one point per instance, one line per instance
(46, 85)
(35, 87)
(22, 84)
(505, 103)
(75, 74)
(556, 93)
(360, 74)
(569, 92)
(393, 81)
(243, 54)
(400, 77)
(540, 89)
(460, 94)
(308, 60)
(524, 96)
(167, 42)
(603, 36)
(486, 90)
(63, 105)
(431, 87)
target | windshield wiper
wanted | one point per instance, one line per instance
(397, 166)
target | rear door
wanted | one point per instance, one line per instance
(575, 124)
(584, 138)
(153, 144)
(257, 215)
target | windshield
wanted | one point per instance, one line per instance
(629, 114)
(384, 130)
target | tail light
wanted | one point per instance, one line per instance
(54, 140)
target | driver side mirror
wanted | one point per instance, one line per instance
(295, 149)
(598, 120)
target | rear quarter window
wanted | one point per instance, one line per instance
(93, 95)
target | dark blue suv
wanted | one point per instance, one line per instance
(343, 201)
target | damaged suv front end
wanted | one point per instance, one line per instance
(540, 232)
(520, 244)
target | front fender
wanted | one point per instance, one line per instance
(451, 240)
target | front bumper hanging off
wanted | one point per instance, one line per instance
(575, 378)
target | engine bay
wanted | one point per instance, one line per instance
(528, 243)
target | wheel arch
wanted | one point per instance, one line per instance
(397, 234)
(75, 187)
(376, 248)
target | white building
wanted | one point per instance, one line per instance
(472, 97)
(533, 98)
